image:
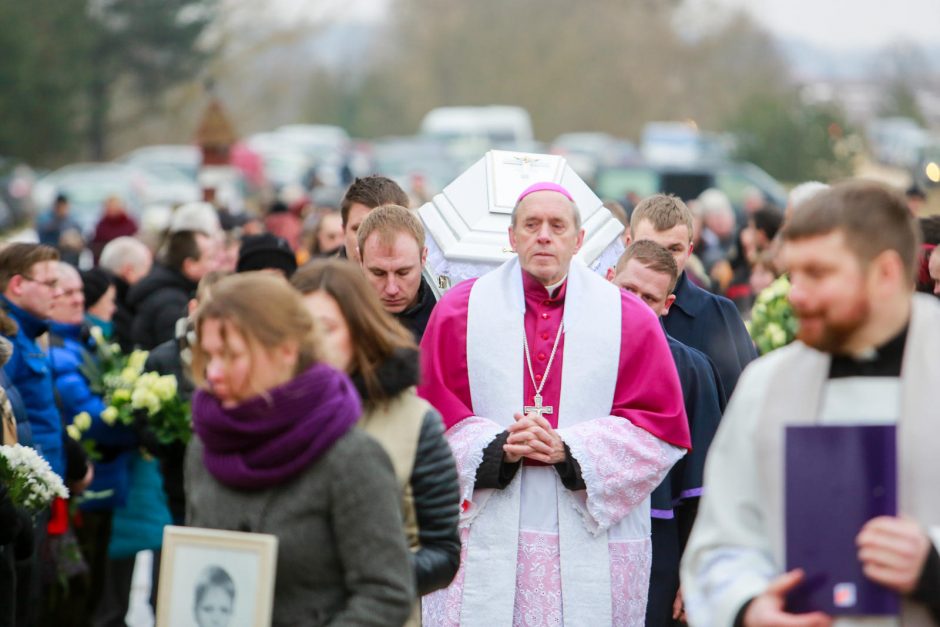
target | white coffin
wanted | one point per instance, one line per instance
(467, 223)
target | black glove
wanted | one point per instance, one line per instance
(145, 435)
(76, 460)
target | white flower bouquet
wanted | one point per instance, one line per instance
(773, 323)
(130, 392)
(29, 478)
(156, 397)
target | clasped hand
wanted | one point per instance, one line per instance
(892, 551)
(533, 437)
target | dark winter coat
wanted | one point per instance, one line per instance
(712, 325)
(159, 300)
(339, 560)
(166, 359)
(123, 319)
(109, 228)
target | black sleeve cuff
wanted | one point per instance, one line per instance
(569, 471)
(494, 472)
(928, 586)
(76, 460)
(739, 617)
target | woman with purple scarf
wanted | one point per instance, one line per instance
(275, 451)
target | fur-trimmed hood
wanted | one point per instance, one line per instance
(396, 374)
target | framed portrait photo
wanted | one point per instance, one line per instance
(214, 578)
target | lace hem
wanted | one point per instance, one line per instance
(621, 465)
(467, 439)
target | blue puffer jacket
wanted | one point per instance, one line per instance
(138, 526)
(29, 371)
(69, 348)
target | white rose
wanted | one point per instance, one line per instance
(82, 421)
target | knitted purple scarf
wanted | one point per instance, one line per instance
(267, 440)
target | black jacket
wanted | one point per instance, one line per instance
(166, 359)
(711, 324)
(415, 318)
(434, 486)
(123, 319)
(159, 299)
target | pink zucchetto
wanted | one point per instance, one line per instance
(545, 186)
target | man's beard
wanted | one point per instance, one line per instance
(834, 335)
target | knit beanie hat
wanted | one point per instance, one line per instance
(95, 283)
(266, 251)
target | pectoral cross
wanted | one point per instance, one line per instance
(527, 163)
(537, 408)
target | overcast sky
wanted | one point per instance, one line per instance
(834, 24)
(844, 24)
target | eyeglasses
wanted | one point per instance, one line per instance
(51, 283)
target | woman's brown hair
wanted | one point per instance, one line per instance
(374, 333)
(265, 310)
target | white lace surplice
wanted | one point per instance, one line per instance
(581, 557)
(621, 465)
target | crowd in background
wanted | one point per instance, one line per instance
(207, 299)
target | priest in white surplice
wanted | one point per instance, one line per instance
(564, 411)
(869, 354)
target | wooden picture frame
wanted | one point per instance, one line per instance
(206, 573)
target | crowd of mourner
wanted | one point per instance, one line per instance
(547, 444)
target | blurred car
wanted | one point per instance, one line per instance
(629, 183)
(326, 146)
(316, 140)
(284, 163)
(167, 185)
(403, 159)
(680, 144)
(587, 152)
(186, 159)
(897, 141)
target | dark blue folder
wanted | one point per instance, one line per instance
(837, 479)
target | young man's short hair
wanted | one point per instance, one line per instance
(179, 247)
(372, 191)
(872, 217)
(19, 258)
(663, 212)
(768, 220)
(388, 221)
(653, 256)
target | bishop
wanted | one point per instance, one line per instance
(556, 497)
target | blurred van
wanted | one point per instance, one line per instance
(498, 125)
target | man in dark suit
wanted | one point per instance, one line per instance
(699, 319)
(649, 271)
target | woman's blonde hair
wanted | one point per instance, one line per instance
(262, 308)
